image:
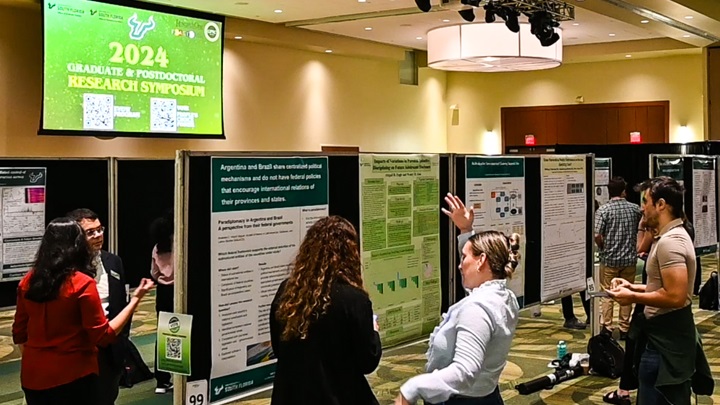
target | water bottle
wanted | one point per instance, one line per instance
(561, 349)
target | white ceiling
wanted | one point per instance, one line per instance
(399, 22)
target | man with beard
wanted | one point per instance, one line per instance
(671, 357)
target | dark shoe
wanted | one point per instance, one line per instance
(623, 335)
(163, 388)
(574, 323)
(612, 397)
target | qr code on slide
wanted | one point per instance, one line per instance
(173, 348)
(98, 111)
(163, 114)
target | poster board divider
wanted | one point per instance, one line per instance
(112, 205)
(533, 231)
(452, 240)
(591, 247)
(180, 245)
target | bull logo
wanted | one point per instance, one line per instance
(138, 29)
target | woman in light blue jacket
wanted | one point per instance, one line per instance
(468, 350)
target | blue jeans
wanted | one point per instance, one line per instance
(647, 375)
(493, 399)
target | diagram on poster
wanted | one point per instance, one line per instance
(261, 210)
(495, 188)
(400, 242)
(22, 204)
(564, 225)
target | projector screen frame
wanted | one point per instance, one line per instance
(140, 5)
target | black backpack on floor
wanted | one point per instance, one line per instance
(135, 370)
(606, 356)
(709, 293)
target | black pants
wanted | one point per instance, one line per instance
(493, 399)
(108, 382)
(567, 306)
(164, 301)
(79, 392)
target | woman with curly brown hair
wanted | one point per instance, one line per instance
(321, 323)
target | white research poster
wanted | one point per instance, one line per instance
(261, 210)
(564, 225)
(704, 213)
(22, 222)
(495, 188)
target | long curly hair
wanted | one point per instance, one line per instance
(329, 253)
(63, 250)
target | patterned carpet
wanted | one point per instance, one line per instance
(533, 347)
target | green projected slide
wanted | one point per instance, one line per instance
(112, 68)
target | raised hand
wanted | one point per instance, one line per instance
(460, 215)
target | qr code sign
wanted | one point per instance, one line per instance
(163, 114)
(98, 111)
(173, 348)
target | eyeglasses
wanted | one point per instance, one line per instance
(92, 233)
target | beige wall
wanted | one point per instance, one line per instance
(479, 97)
(287, 99)
(276, 99)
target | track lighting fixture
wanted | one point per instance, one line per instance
(544, 15)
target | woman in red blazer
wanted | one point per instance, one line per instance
(59, 320)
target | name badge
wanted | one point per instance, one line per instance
(114, 274)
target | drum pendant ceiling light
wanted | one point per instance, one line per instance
(484, 47)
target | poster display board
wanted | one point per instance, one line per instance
(603, 174)
(704, 212)
(22, 218)
(400, 242)
(495, 188)
(261, 210)
(564, 225)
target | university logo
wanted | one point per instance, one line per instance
(138, 29)
(174, 324)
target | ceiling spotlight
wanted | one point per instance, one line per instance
(644, 21)
(576, 24)
(368, 28)
(418, 38)
(238, 37)
(446, 20)
(628, 56)
(278, 11)
(328, 51)
(510, 16)
(689, 17)
(424, 5)
(467, 14)
(489, 12)
(542, 25)
(611, 35)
